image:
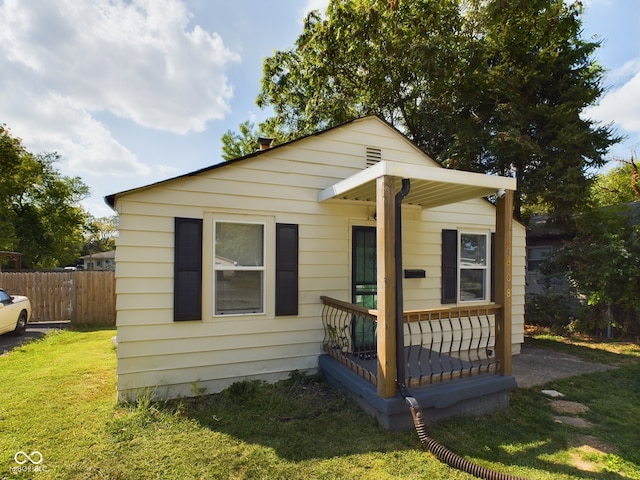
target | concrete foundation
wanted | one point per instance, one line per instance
(477, 395)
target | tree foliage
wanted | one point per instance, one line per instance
(603, 261)
(40, 214)
(493, 86)
(241, 143)
(618, 185)
(100, 234)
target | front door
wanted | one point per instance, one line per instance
(364, 287)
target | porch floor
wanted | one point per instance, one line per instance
(476, 395)
(427, 366)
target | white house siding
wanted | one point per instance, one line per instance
(277, 186)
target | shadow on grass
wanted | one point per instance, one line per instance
(306, 419)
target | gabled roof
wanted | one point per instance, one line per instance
(110, 199)
(431, 186)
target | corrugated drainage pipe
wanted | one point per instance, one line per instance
(442, 453)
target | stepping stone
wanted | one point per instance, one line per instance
(573, 421)
(552, 393)
(565, 406)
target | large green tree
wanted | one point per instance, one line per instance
(495, 86)
(40, 215)
(541, 78)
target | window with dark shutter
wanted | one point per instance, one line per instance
(286, 269)
(187, 280)
(449, 266)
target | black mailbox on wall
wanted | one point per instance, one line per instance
(414, 273)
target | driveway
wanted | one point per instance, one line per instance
(34, 331)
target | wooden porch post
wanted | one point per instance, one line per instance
(386, 328)
(504, 227)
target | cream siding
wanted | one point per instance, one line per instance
(278, 186)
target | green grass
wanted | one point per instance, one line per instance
(59, 399)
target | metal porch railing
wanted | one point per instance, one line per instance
(439, 344)
(344, 325)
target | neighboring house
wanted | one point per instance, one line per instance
(542, 240)
(14, 257)
(99, 261)
(220, 272)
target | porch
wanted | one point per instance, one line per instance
(448, 360)
(456, 361)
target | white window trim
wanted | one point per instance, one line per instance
(486, 267)
(218, 268)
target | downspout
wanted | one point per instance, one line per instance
(400, 363)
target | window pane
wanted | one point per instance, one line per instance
(239, 244)
(472, 284)
(473, 249)
(238, 292)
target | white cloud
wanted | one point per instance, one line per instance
(621, 105)
(625, 73)
(65, 61)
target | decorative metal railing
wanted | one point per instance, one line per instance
(439, 344)
(449, 343)
(349, 336)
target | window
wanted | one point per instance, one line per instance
(466, 271)
(536, 255)
(239, 268)
(474, 266)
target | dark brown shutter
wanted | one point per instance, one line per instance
(187, 279)
(286, 269)
(449, 266)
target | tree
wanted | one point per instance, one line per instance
(541, 78)
(100, 234)
(235, 145)
(41, 216)
(602, 262)
(618, 185)
(495, 86)
(247, 139)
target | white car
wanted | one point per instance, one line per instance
(15, 312)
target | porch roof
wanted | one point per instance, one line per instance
(430, 186)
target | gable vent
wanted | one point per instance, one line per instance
(374, 155)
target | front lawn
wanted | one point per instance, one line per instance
(59, 400)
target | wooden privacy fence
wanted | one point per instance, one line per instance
(79, 297)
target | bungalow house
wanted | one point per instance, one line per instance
(349, 250)
(99, 261)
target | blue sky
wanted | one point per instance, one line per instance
(130, 92)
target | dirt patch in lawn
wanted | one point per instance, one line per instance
(590, 453)
(534, 366)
